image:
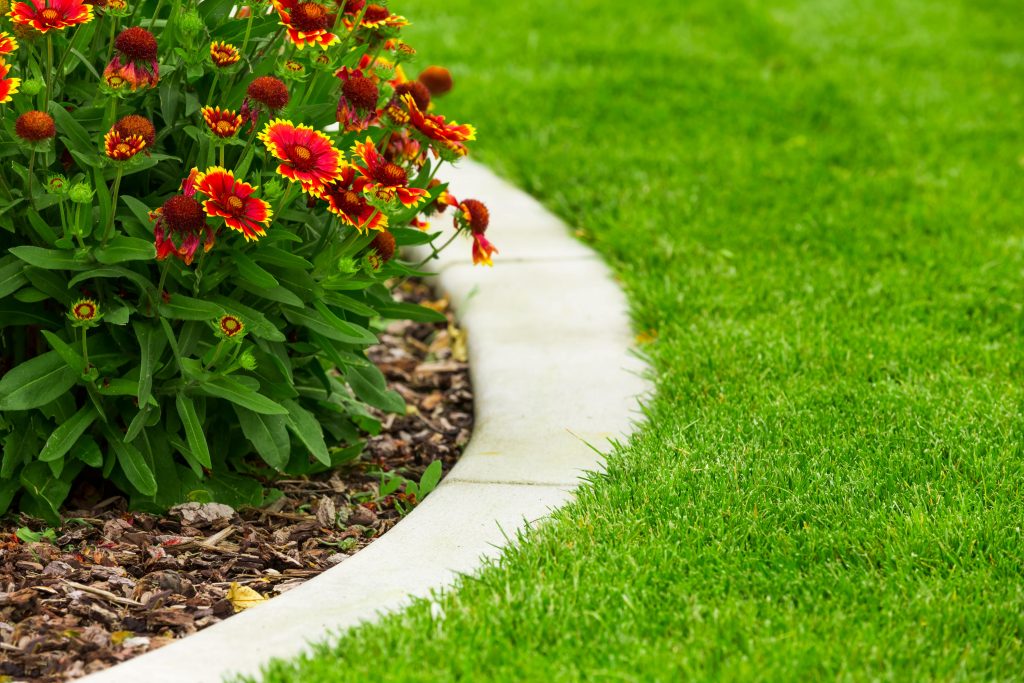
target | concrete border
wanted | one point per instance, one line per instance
(549, 340)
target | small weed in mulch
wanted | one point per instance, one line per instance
(110, 584)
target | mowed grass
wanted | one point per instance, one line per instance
(817, 210)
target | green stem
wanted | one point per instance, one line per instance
(284, 202)
(113, 34)
(216, 355)
(436, 252)
(85, 347)
(49, 70)
(76, 229)
(113, 206)
(156, 13)
(160, 286)
(63, 217)
(213, 87)
(222, 146)
(31, 175)
(248, 29)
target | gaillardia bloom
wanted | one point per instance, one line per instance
(8, 86)
(450, 136)
(224, 54)
(307, 155)
(347, 202)
(223, 123)
(7, 43)
(268, 91)
(135, 61)
(50, 15)
(377, 16)
(179, 224)
(232, 200)
(230, 326)
(85, 313)
(384, 180)
(35, 126)
(120, 147)
(357, 106)
(306, 23)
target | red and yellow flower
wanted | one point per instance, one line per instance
(50, 15)
(230, 326)
(307, 156)
(120, 147)
(232, 200)
(345, 200)
(224, 54)
(384, 180)
(451, 136)
(377, 16)
(306, 23)
(8, 86)
(223, 123)
(7, 43)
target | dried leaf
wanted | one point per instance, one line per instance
(243, 597)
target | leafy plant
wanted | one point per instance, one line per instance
(411, 492)
(189, 280)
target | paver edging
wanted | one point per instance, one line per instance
(549, 340)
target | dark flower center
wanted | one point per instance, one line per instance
(362, 93)
(235, 203)
(301, 158)
(392, 175)
(49, 15)
(309, 17)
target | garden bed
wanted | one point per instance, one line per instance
(109, 584)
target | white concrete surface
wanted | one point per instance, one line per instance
(549, 340)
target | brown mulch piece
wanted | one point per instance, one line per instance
(110, 584)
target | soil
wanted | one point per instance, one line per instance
(110, 584)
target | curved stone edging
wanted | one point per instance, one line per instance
(549, 340)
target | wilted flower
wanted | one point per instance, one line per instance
(357, 106)
(135, 62)
(35, 126)
(451, 136)
(437, 79)
(133, 124)
(475, 217)
(384, 244)
(50, 15)
(180, 223)
(307, 155)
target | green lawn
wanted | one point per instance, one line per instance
(817, 209)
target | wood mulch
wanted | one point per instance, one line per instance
(110, 584)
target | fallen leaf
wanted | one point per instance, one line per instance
(243, 597)
(118, 637)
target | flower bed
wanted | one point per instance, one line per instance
(193, 267)
(111, 584)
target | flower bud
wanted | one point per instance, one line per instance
(191, 23)
(57, 184)
(32, 87)
(81, 193)
(247, 360)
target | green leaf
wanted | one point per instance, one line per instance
(151, 345)
(193, 430)
(70, 355)
(369, 385)
(65, 436)
(133, 464)
(399, 310)
(331, 327)
(182, 307)
(48, 259)
(232, 390)
(252, 272)
(36, 382)
(12, 276)
(121, 249)
(429, 480)
(282, 258)
(48, 490)
(269, 436)
(304, 425)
